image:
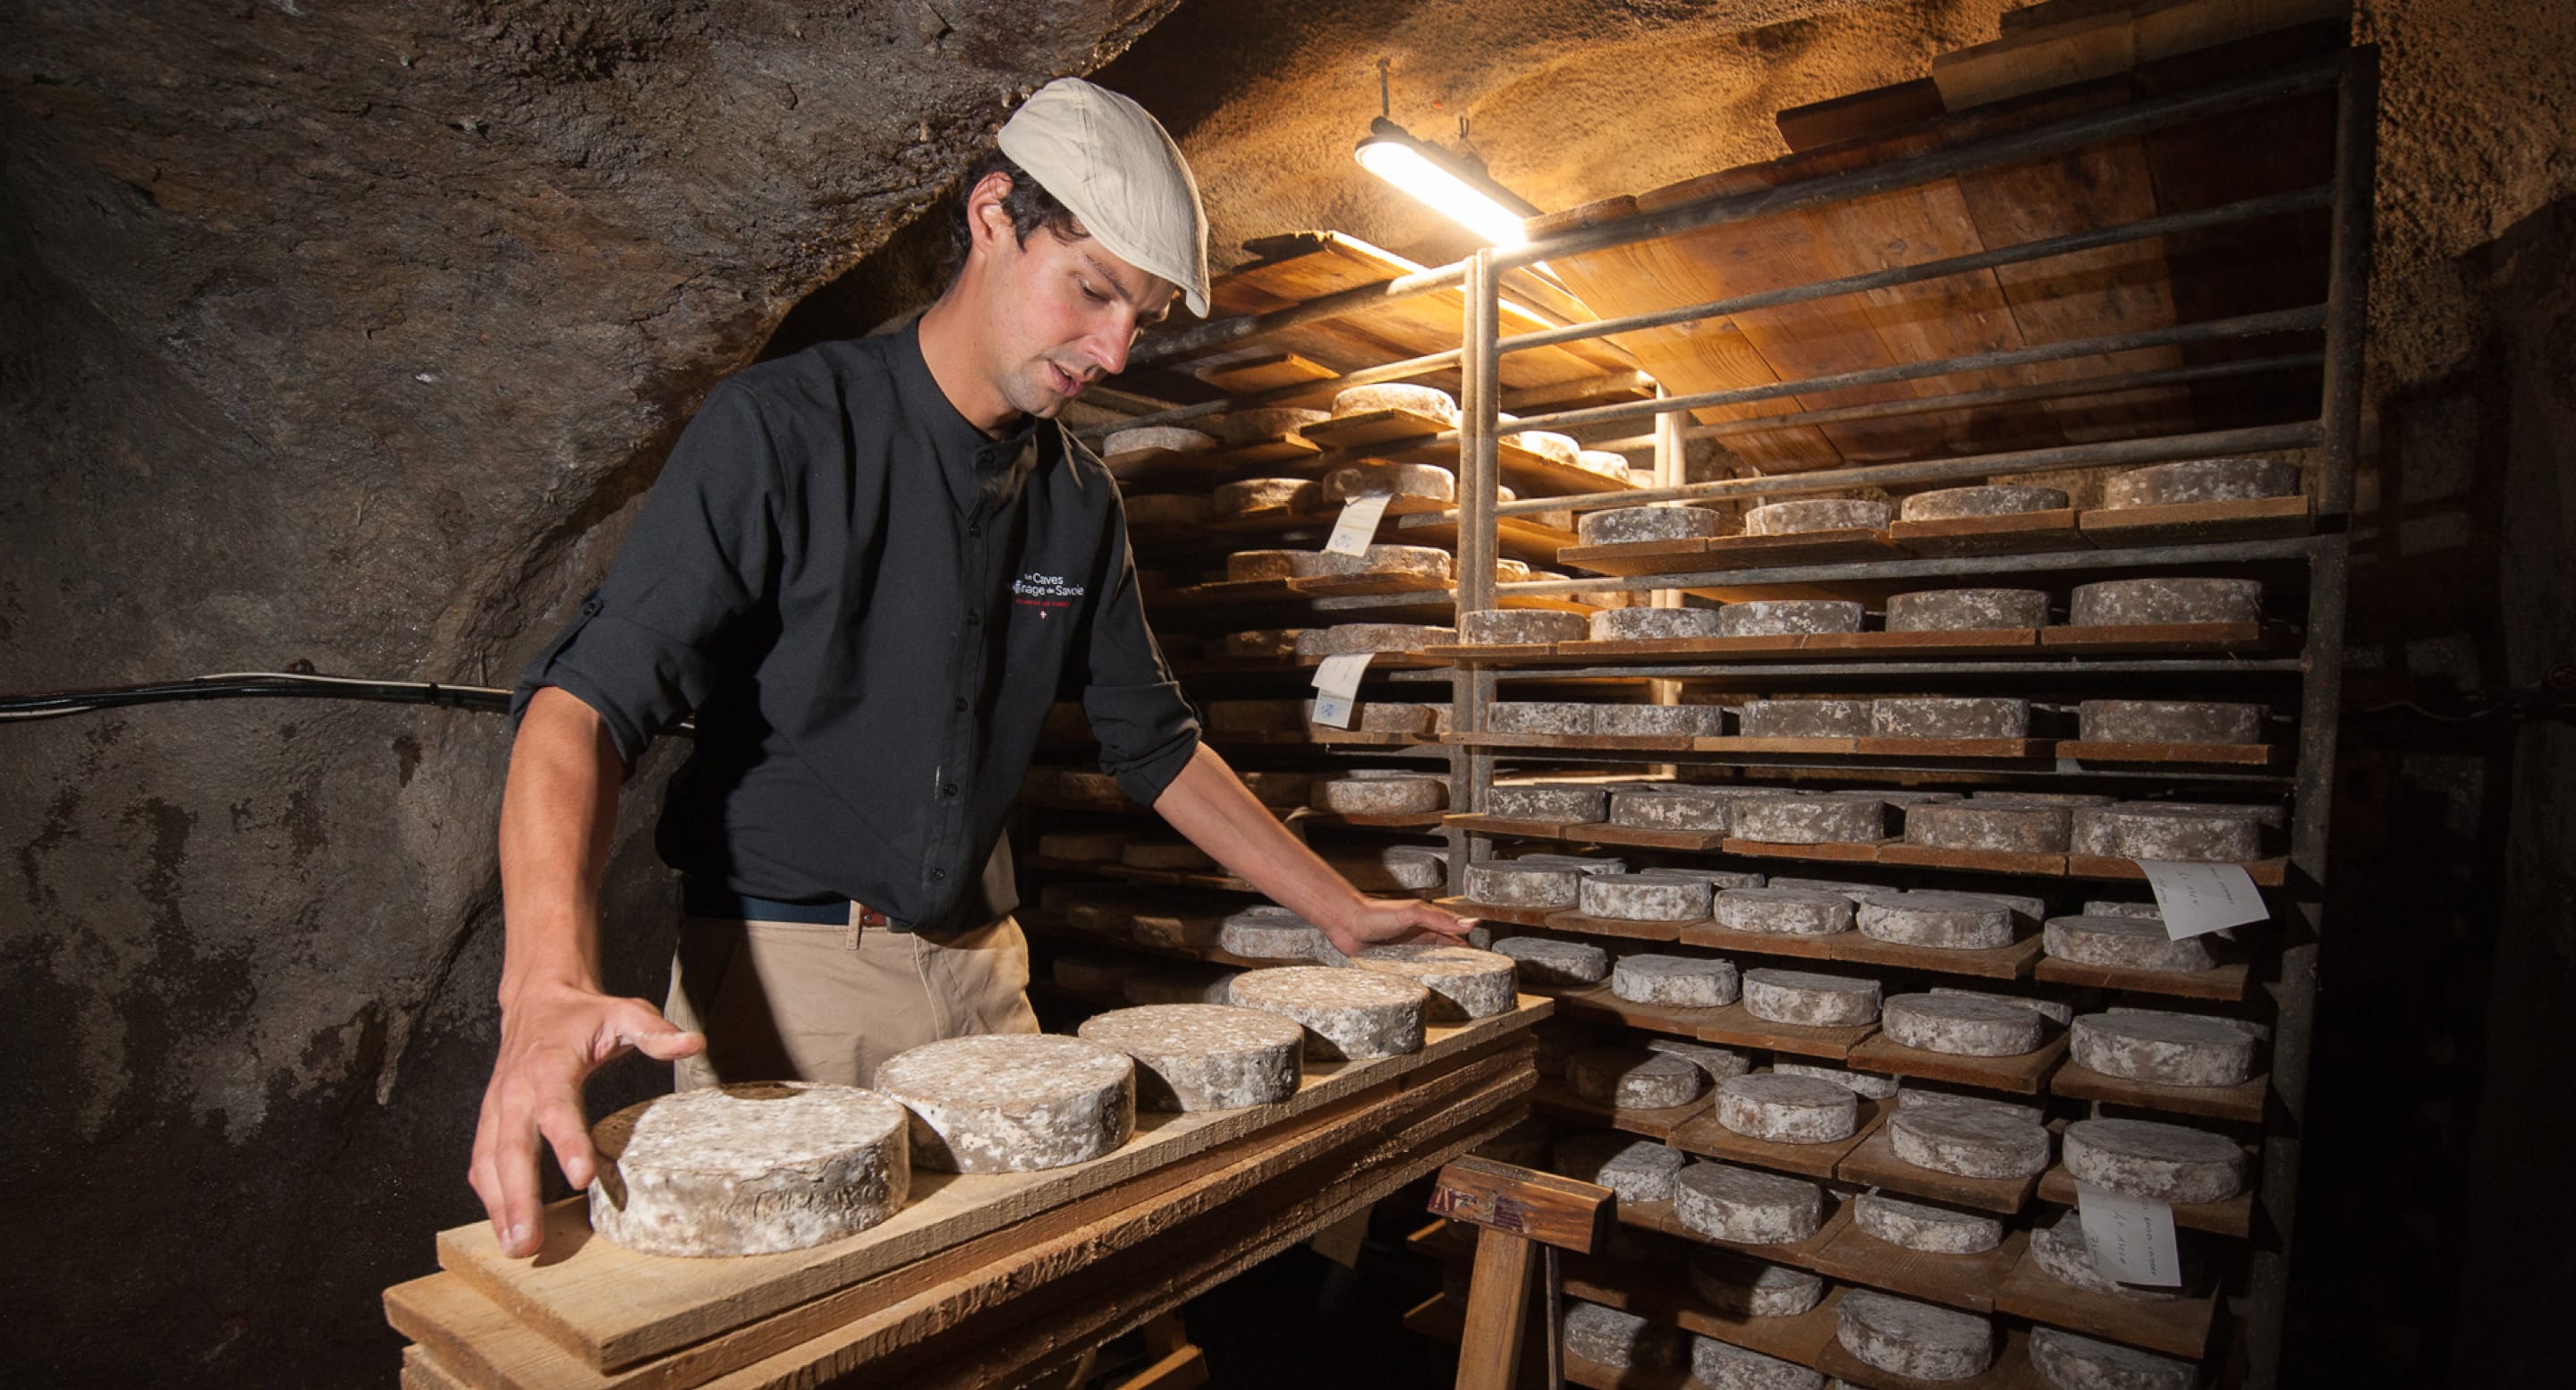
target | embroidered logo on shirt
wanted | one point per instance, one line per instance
(1045, 592)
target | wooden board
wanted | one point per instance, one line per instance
(1575, 922)
(1875, 1164)
(1594, 743)
(2224, 981)
(1638, 837)
(1984, 861)
(2024, 1073)
(613, 1307)
(1957, 1281)
(2198, 523)
(2242, 1102)
(1374, 429)
(2011, 1369)
(1801, 646)
(1837, 853)
(1735, 1026)
(2266, 873)
(1554, 1097)
(2012, 962)
(2177, 1327)
(1705, 1135)
(2021, 533)
(1715, 937)
(1271, 371)
(2233, 1217)
(2158, 638)
(2213, 754)
(1475, 824)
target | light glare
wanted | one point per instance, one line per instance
(1408, 169)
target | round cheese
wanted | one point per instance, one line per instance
(1725, 1366)
(2162, 602)
(1944, 921)
(1632, 1078)
(1606, 462)
(1202, 1056)
(1968, 1142)
(1788, 617)
(2147, 830)
(1718, 1063)
(1464, 982)
(1806, 719)
(1639, 1170)
(1777, 911)
(1608, 1337)
(1143, 437)
(2122, 942)
(2002, 499)
(748, 1169)
(2163, 1049)
(1510, 883)
(1642, 898)
(1261, 423)
(1347, 1014)
(1344, 638)
(1520, 627)
(1539, 717)
(2068, 1361)
(1555, 448)
(2161, 1162)
(1545, 960)
(2059, 1250)
(1816, 514)
(1381, 794)
(1396, 395)
(1623, 525)
(1807, 998)
(1811, 820)
(1867, 1085)
(1917, 1096)
(2200, 480)
(1653, 624)
(2168, 721)
(1678, 982)
(1012, 1102)
(1252, 495)
(1950, 718)
(1747, 1287)
(2056, 1011)
(1746, 1207)
(1671, 808)
(1547, 803)
(1933, 1230)
(1787, 1109)
(1266, 645)
(1967, 610)
(1420, 480)
(1993, 826)
(1657, 721)
(1922, 1341)
(1271, 933)
(1962, 1027)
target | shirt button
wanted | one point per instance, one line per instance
(974, 530)
(939, 875)
(960, 707)
(947, 789)
(974, 619)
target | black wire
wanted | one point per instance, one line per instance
(264, 684)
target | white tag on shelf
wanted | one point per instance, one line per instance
(2194, 899)
(2131, 1239)
(1337, 687)
(1358, 526)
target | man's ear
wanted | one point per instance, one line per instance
(986, 218)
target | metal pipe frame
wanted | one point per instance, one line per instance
(1767, 670)
(1931, 567)
(1471, 688)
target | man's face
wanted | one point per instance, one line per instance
(1062, 314)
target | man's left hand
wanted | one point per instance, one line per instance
(1390, 921)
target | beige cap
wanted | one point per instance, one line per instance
(1110, 162)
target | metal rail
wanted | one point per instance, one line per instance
(1934, 567)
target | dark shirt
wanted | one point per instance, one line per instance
(868, 606)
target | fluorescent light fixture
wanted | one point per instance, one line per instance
(1455, 188)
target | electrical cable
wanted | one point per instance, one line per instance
(253, 684)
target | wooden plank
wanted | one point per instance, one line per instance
(1705, 1135)
(2021, 533)
(1638, 837)
(2233, 1217)
(1475, 824)
(2217, 754)
(2034, 60)
(2024, 1073)
(1957, 1281)
(1736, 1026)
(1489, 1341)
(2177, 1327)
(1984, 861)
(1271, 371)
(1843, 853)
(1496, 912)
(1637, 557)
(1544, 1207)
(1861, 115)
(1796, 646)
(1728, 939)
(1565, 920)
(2156, 638)
(1875, 1164)
(1955, 747)
(2198, 523)
(1849, 545)
(2011, 1369)
(2224, 981)
(2267, 873)
(1599, 1001)
(1370, 429)
(1554, 1097)
(615, 1307)
(1597, 743)
(2242, 1102)
(2012, 962)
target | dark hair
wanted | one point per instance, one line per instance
(1030, 206)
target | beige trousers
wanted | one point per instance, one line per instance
(799, 1001)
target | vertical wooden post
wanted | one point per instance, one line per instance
(1519, 1210)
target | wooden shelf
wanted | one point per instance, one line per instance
(1287, 665)
(2192, 523)
(2176, 1327)
(2211, 754)
(1839, 853)
(1146, 469)
(1576, 923)
(2020, 533)
(1705, 1135)
(1718, 938)
(1418, 820)
(1475, 824)
(1875, 1164)
(1956, 1281)
(2233, 1217)
(1735, 1026)
(1635, 837)
(1555, 1097)
(1665, 1297)
(2242, 1103)
(2226, 980)
(1839, 547)
(1805, 646)
(2163, 639)
(1599, 1002)
(1659, 1216)
(2023, 1073)
(1493, 912)
(2011, 1369)
(2013, 962)
(2268, 873)
(1594, 743)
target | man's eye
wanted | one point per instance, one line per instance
(1091, 294)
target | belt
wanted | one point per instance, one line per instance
(723, 904)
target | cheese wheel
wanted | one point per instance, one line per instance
(1943, 921)
(2002, 499)
(2122, 942)
(1922, 1341)
(1538, 717)
(1176, 931)
(1108, 917)
(1746, 1207)
(1082, 846)
(1639, 898)
(1465, 983)
(1653, 624)
(1265, 645)
(2059, 1250)
(1816, 514)
(1555, 448)
(1657, 721)
(1347, 1014)
(1248, 496)
(1163, 854)
(1846, 889)
(1344, 638)
(1639, 1170)
(1867, 1085)
(1811, 820)
(1777, 911)
(1933, 1230)
(1278, 790)
(748, 1169)
(1385, 716)
(1012, 1102)
(1787, 1109)
(1381, 794)
(1671, 808)
(1606, 462)
(2068, 1361)
(2163, 1049)
(1143, 437)
(1520, 627)
(1807, 998)
(2161, 1162)
(1917, 1096)
(1961, 1027)
(1679, 982)
(2162, 602)
(1202, 1056)
(2146, 830)
(1623, 525)
(1718, 1063)
(1788, 617)
(2168, 721)
(2056, 1011)
(1633, 1078)
(1992, 826)
(1545, 960)
(1271, 933)
(1967, 1142)
(1967, 610)
(1806, 719)
(1261, 423)
(1725, 1366)
(1608, 1337)
(1747, 1287)
(1508, 883)
(1422, 480)
(2200, 480)
(1580, 863)
(1396, 395)
(2024, 798)
(1168, 509)
(1561, 803)
(1950, 718)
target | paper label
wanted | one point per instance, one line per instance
(2131, 1239)
(1358, 526)
(2198, 898)
(1337, 687)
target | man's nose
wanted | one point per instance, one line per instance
(1108, 344)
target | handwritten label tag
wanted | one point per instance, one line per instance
(2195, 899)
(1358, 526)
(2131, 1239)
(1337, 687)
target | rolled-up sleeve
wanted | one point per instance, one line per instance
(700, 554)
(1146, 729)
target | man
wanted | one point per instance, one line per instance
(868, 569)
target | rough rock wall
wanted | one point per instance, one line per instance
(344, 334)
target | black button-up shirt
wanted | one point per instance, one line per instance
(868, 606)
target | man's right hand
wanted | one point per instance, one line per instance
(552, 1038)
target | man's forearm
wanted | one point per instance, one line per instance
(1210, 805)
(558, 812)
